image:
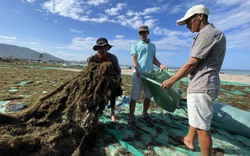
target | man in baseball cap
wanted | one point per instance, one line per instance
(197, 9)
(143, 28)
(206, 57)
(143, 54)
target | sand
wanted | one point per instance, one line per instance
(235, 78)
(245, 79)
(224, 77)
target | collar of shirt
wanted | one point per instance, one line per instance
(145, 42)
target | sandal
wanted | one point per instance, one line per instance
(132, 125)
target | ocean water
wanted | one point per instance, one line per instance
(235, 72)
(231, 71)
(222, 71)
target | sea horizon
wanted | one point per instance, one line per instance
(222, 71)
(235, 71)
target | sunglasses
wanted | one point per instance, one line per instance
(143, 32)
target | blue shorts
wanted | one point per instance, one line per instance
(200, 110)
(137, 86)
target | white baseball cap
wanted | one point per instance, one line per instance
(197, 9)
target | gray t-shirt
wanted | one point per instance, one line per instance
(210, 46)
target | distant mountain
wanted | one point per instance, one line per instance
(12, 51)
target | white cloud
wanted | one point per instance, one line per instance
(229, 2)
(115, 10)
(151, 23)
(31, 1)
(7, 38)
(167, 32)
(238, 39)
(144, 12)
(119, 36)
(86, 44)
(82, 11)
(170, 43)
(96, 2)
(135, 21)
(66, 8)
(82, 44)
(34, 43)
(175, 9)
(237, 17)
(136, 18)
(101, 19)
(75, 31)
(150, 10)
(121, 45)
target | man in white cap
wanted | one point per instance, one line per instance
(206, 57)
(144, 58)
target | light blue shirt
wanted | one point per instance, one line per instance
(145, 55)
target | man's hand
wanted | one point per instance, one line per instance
(137, 73)
(163, 66)
(167, 84)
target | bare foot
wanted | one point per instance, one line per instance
(113, 118)
(188, 143)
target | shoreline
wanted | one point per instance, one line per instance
(244, 79)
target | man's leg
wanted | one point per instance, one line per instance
(132, 110)
(112, 104)
(188, 140)
(146, 101)
(135, 95)
(131, 121)
(205, 141)
(200, 108)
(146, 104)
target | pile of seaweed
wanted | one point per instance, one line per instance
(62, 122)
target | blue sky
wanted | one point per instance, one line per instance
(68, 29)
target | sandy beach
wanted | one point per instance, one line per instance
(224, 77)
(245, 79)
(235, 78)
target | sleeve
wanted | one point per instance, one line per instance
(88, 60)
(134, 49)
(154, 51)
(91, 59)
(202, 45)
(116, 66)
